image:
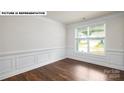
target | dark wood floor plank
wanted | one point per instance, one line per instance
(69, 70)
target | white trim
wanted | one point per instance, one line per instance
(114, 59)
(102, 63)
(12, 73)
(115, 50)
(14, 63)
(88, 38)
(27, 51)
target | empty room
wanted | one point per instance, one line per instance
(62, 46)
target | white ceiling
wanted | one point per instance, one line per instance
(68, 17)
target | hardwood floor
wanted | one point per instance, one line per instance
(69, 69)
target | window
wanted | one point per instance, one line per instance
(91, 39)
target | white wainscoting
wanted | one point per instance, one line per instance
(113, 58)
(21, 61)
(18, 62)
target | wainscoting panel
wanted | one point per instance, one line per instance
(113, 58)
(6, 64)
(18, 62)
(42, 57)
(116, 57)
(25, 61)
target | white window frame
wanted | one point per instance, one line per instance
(88, 38)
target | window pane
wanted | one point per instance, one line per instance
(82, 32)
(96, 46)
(97, 31)
(82, 46)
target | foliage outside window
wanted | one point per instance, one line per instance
(91, 39)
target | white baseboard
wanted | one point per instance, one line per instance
(18, 62)
(13, 64)
(112, 59)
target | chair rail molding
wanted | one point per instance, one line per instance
(13, 63)
(114, 58)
